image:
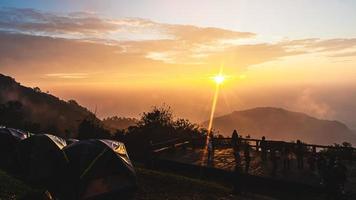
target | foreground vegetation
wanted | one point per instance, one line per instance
(152, 185)
(11, 188)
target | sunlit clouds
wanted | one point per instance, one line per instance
(68, 75)
(130, 64)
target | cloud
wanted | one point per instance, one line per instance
(68, 75)
(308, 103)
(90, 25)
(169, 43)
(318, 45)
(87, 40)
(33, 21)
(345, 54)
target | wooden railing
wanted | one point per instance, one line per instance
(169, 145)
(226, 142)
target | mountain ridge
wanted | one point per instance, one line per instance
(50, 113)
(282, 124)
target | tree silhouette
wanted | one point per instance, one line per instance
(158, 125)
(90, 128)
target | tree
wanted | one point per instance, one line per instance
(157, 126)
(73, 102)
(158, 116)
(12, 114)
(346, 144)
(90, 128)
(37, 89)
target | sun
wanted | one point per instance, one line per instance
(219, 79)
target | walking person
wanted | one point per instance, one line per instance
(247, 157)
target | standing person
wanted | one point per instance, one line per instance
(238, 180)
(247, 156)
(340, 173)
(322, 167)
(311, 161)
(234, 138)
(210, 150)
(336, 177)
(274, 161)
(235, 146)
(263, 145)
(300, 155)
(286, 157)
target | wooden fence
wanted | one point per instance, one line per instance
(249, 183)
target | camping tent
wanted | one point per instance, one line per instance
(41, 159)
(71, 141)
(100, 169)
(8, 140)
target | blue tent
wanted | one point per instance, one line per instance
(100, 169)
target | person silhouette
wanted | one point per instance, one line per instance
(235, 146)
(322, 167)
(335, 178)
(247, 157)
(300, 154)
(311, 161)
(286, 156)
(263, 146)
(274, 161)
(340, 171)
(210, 148)
(234, 138)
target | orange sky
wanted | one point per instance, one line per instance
(126, 65)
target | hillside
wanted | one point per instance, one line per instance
(281, 124)
(44, 112)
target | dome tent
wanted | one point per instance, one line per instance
(9, 138)
(71, 141)
(41, 160)
(99, 169)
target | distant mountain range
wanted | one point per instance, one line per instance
(281, 124)
(52, 114)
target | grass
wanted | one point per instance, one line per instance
(11, 188)
(152, 185)
(167, 186)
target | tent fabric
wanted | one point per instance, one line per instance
(99, 168)
(9, 138)
(71, 141)
(19, 134)
(41, 160)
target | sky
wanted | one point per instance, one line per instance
(123, 57)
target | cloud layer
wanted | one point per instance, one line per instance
(88, 49)
(169, 43)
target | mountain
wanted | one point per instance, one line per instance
(44, 111)
(281, 124)
(115, 123)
